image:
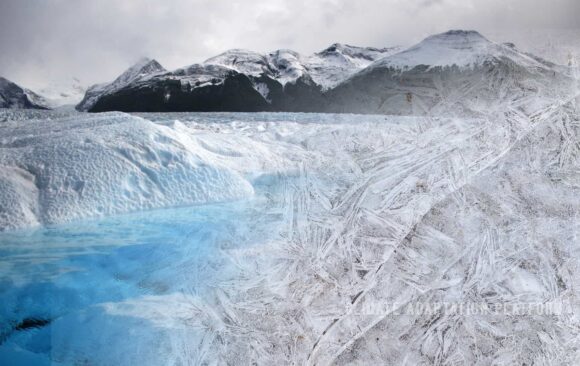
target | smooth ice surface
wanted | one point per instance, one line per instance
(349, 215)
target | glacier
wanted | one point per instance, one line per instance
(210, 238)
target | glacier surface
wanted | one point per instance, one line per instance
(328, 224)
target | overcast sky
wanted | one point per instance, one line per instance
(46, 40)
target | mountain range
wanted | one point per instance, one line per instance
(237, 80)
(457, 72)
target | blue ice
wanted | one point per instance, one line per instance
(53, 279)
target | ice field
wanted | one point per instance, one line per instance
(279, 238)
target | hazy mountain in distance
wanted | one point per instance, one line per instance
(15, 96)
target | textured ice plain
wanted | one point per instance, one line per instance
(419, 210)
(54, 170)
(377, 210)
(380, 210)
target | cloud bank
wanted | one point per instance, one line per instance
(44, 40)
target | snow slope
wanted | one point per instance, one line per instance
(556, 45)
(457, 73)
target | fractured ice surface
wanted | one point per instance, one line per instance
(340, 214)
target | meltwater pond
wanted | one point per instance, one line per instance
(62, 286)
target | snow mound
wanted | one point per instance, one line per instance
(455, 48)
(54, 171)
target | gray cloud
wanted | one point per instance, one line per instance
(43, 40)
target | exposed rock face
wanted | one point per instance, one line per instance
(140, 71)
(237, 80)
(235, 93)
(14, 96)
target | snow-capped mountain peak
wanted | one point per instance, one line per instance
(354, 52)
(241, 60)
(282, 65)
(144, 67)
(461, 48)
(289, 65)
(337, 62)
(326, 68)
